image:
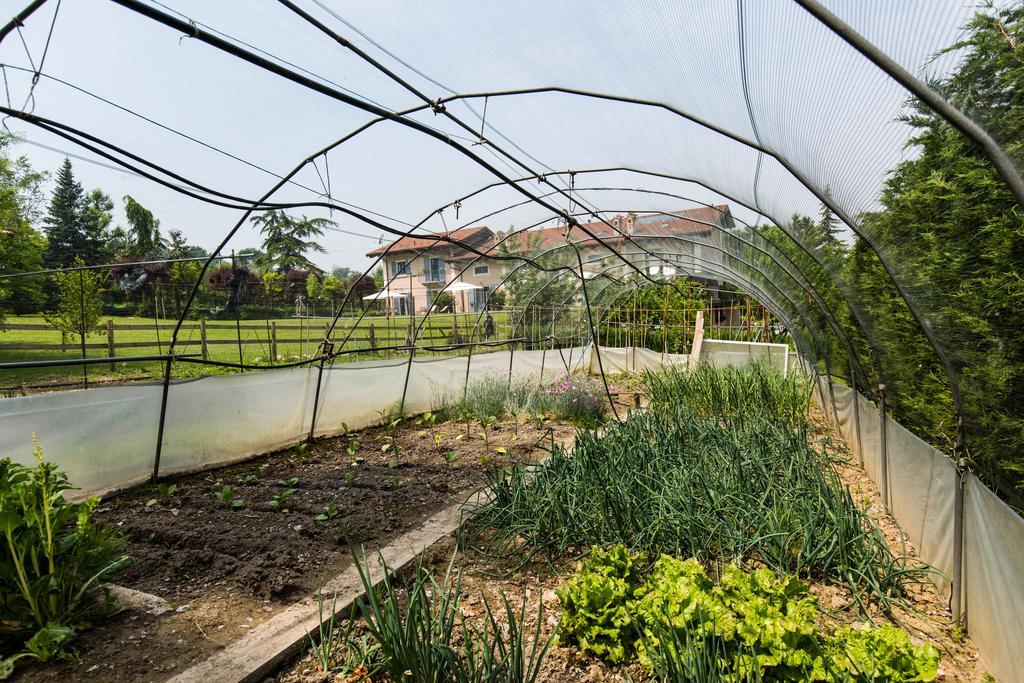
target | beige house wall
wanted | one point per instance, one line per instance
(690, 256)
(414, 281)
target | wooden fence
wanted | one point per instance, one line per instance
(371, 334)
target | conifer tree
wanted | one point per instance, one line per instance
(68, 237)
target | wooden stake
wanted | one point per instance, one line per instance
(202, 338)
(110, 344)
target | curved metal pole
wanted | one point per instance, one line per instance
(766, 301)
(796, 307)
(936, 102)
(759, 294)
(19, 19)
(763, 297)
(812, 254)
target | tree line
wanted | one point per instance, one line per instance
(150, 272)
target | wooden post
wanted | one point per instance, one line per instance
(273, 340)
(202, 338)
(156, 325)
(632, 336)
(883, 449)
(664, 333)
(698, 340)
(110, 343)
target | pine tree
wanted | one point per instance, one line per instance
(286, 240)
(96, 219)
(67, 234)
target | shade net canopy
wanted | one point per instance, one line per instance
(777, 132)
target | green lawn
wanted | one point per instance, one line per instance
(298, 338)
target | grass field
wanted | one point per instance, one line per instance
(297, 338)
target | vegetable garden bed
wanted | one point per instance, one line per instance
(792, 576)
(230, 547)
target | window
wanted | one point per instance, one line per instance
(403, 305)
(399, 268)
(433, 270)
(480, 270)
(478, 299)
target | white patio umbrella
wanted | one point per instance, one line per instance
(460, 287)
(385, 294)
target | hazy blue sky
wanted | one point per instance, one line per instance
(811, 99)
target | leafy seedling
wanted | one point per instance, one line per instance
(487, 423)
(277, 503)
(301, 450)
(163, 491)
(291, 483)
(353, 446)
(391, 446)
(450, 457)
(247, 479)
(227, 496)
(329, 513)
(351, 479)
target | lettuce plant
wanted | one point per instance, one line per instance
(595, 598)
(881, 654)
(749, 625)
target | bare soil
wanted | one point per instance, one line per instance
(223, 570)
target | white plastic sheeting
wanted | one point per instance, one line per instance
(104, 438)
(725, 352)
(627, 360)
(921, 487)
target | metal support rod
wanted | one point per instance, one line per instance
(163, 417)
(593, 337)
(956, 587)
(238, 311)
(978, 135)
(81, 327)
(883, 447)
(856, 415)
(511, 356)
(469, 359)
(326, 352)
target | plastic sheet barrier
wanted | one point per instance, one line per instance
(105, 437)
(921, 488)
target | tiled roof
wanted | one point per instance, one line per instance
(687, 222)
(418, 243)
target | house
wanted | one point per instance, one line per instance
(418, 268)
(662, 244)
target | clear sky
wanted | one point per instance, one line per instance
(810, 98)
